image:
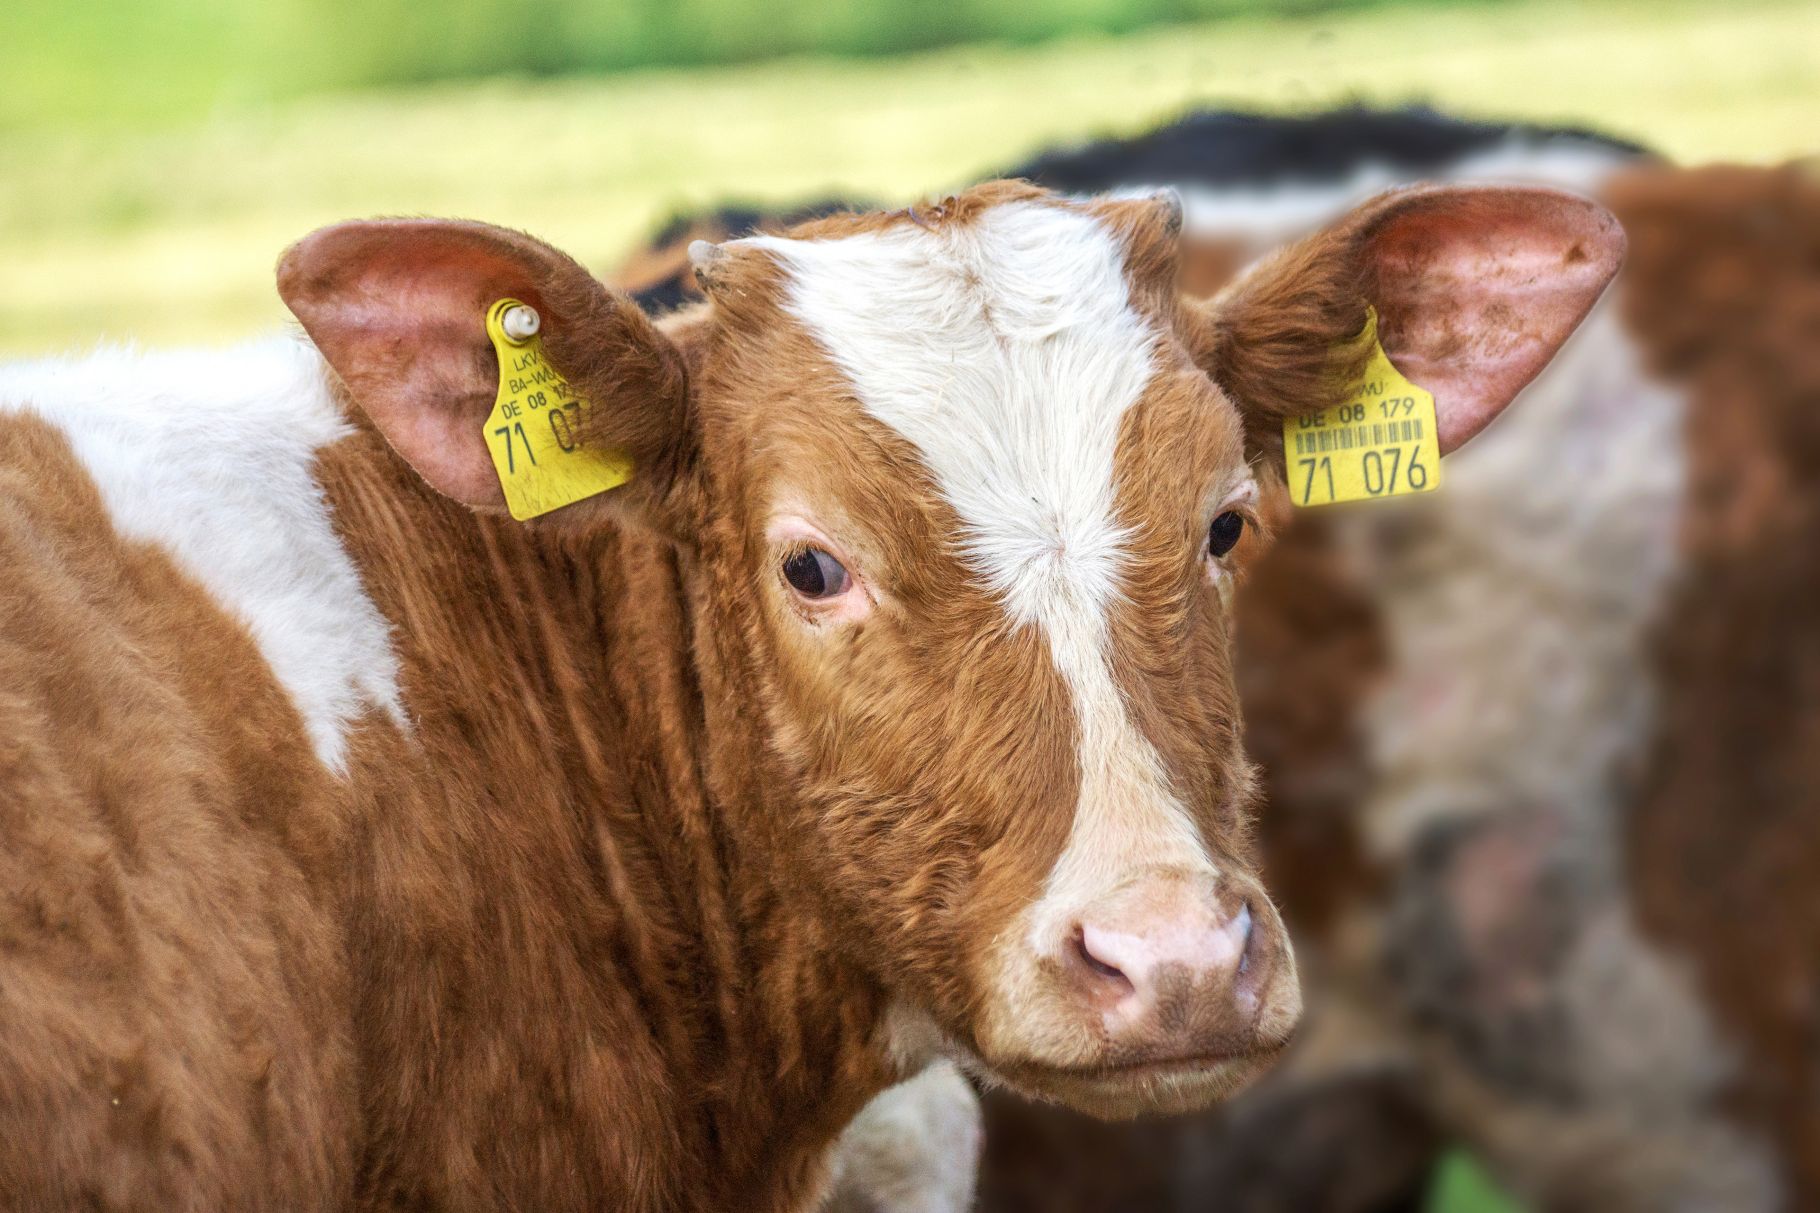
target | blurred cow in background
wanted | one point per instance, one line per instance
(1543, 812)
(1574, 906)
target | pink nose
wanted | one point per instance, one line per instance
(1146, 957)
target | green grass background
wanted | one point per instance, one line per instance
(134, 60)
(163, 226)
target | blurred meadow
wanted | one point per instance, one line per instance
(156, 157)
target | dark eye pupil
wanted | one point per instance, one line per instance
(815, 574)
(1225, 532)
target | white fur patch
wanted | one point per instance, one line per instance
(914, 1149)
(210, 455)
(1518, 599)
(1007, 352)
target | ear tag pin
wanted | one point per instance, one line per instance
(521, 323)
(536, 428)
(1382, 442)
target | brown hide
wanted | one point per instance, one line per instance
(688, 1022)
(175, 992)
(1724, 838)
(542, 905)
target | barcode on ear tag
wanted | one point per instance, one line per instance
(534, 431)
(1381, 442)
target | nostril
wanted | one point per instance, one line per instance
(1083, 948)
(1238, 929)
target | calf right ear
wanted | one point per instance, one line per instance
(1475, 287)
(398, 307)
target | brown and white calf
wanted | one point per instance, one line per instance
(363, 847)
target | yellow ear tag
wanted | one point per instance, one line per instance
(535, 429)
(1381, 443)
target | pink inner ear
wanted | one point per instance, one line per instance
(1477, 288)
(398, 308)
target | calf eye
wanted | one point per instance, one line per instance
(813, 573)
(1225, 532)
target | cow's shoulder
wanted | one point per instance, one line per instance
(209, 457)
(170, 979)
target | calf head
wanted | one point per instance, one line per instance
(963, 492)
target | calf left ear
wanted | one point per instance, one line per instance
(1475, 288)
(398, 307)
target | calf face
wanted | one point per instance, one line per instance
(962, 493)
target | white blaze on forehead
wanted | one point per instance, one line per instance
(1007, 352)
(211, 455)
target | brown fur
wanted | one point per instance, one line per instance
(1310, 651)
(175, 995)
(559, 856)
(1724, 840)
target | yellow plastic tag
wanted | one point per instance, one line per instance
(534, 431)
(1381, 443)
